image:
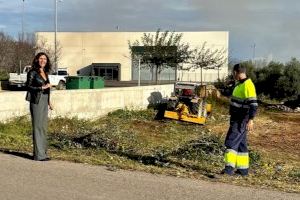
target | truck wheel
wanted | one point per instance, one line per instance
(61, 85)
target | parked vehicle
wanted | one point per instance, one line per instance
(57, 79)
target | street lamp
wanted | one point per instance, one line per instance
(22, 35)
(55, 38)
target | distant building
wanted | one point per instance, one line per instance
(107, 54)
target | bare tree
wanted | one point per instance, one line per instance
(205, 58)
(15, 54)
(24, 50)
(7, 49)
(43, 46)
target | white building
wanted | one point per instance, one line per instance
(107, 54)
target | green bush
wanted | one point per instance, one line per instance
(275, 80)
(295, 173)
(4, 76)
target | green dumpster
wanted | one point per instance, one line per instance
(77, 82)
(96, 82)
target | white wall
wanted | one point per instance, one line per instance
(88, 104)
(81, 49)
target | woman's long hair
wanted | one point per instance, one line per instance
(35, 63)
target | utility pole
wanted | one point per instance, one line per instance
(139, 79)
(253, 55)
(55, 42)
(23, 6)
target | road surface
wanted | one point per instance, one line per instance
(22, 179)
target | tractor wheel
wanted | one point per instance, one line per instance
(171, 105)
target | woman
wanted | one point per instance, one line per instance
(38, 94)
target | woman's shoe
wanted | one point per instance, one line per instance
(45, 159)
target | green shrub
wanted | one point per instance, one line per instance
(3, 76)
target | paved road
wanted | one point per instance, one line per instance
(21, 178)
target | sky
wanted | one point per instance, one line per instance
(257, 28)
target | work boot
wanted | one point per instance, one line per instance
(241, 172)
(228, 170)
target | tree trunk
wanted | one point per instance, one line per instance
(151, 71)
(201, 76)
(156, 75)
(176, 73)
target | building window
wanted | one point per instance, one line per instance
(108, 71)
(147, 72)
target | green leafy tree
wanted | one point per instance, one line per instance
(160, 50)
(275, 80)
(267, 79)
(289, 84)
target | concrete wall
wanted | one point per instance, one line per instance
(81, 49)
(87, 104)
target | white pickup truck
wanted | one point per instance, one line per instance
(57, 79)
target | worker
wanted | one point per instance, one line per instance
(243, 107)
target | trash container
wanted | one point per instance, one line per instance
(77, 82)
(96, 82)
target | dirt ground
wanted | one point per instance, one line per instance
(275, 134)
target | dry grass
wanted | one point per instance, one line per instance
(133, 140)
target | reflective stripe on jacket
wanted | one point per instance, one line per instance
(243, 101)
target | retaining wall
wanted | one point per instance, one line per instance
(88, 103)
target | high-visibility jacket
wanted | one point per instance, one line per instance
(243, 107)
(243, 101)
